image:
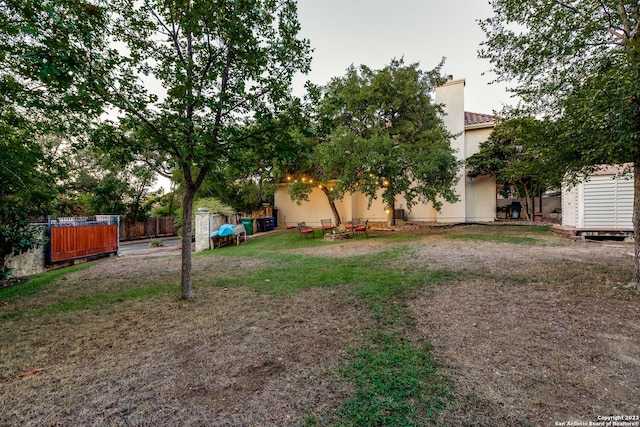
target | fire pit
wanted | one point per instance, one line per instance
(337, 236)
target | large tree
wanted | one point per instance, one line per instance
(382, 135)
(578, 63)
(28, 174)
(41, 108)
(190, 79)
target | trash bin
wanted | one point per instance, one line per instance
(516, 207)
(270, 223)
(248, 225)
(261, 225)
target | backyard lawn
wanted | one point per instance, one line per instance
(464, 326)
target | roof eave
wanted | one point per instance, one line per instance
(483, 125)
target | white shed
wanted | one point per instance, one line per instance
(603, 202)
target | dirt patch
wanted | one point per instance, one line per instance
(233, 357)
(543, 337)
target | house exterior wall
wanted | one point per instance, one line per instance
(420, 212)
(480, 193)
(377, 212)
(317, 208)
(310, 212)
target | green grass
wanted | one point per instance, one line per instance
(376, 275)
(396, 381)
(37, 282)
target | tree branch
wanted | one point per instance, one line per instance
(625, 20)
(172, 32)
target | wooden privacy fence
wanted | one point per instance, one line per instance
(73, 238)
(151, 228)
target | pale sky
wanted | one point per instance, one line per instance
(372, 32)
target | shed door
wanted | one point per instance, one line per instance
(608, 203)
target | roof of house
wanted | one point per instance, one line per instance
(471, 119)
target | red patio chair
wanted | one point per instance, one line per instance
(361, 228)
(326, 225)
(304, 229)
(352, 224)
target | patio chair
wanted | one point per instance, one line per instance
(304, 229)
(361, 228)
(352, 224)
(327, 225)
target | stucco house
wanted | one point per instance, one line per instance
(477, 197)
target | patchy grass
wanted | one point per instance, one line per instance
(496, 239)
(369, 275)
(37, 282)
(524, 234)
(433, 328)
(90, 302)
(396, 381)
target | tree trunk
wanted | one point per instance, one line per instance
(332, 204)
(391, 216)
(172, 188)
(636, 222)
(525, 208)
(187, 209)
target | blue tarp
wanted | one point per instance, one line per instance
(225, 230)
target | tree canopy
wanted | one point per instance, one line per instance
(380, 133)
(577, 63)
(41, 108)
(28, 174)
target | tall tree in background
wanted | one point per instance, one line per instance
(578, 63)
(97, 183)
(383, 135)
(224, 65)
(250, 178)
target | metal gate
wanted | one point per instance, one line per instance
(78, 237)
